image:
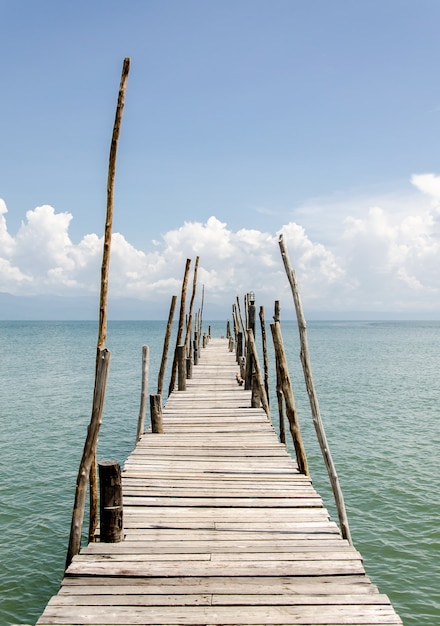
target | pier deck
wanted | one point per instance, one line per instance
(220, 528)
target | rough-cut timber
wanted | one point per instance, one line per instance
(220, 528)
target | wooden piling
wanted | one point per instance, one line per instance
(110, 502)
(289, 399)
(313, 398)
(102, 329)
(259, 378)
(181, 368)
(88, 455)
(180, 327)
(265, 355)
(166, 344)
(188, 334)
(156, 413)
(279, 391)
(144, 392)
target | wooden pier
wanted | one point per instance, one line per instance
(220, 527)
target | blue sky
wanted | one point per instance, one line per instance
(243, 118)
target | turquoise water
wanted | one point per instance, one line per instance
(378, 389)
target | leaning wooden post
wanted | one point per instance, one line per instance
(187, 341)
(289, 399)
(144, 391)
(156, 413)
(166, 344)
(242, 326)
(316, 414)
(280, 400)
(111, 510)
(201, 314)
(103, 362)
(180, 327)
(93, 521)
(265, 355)
(253, 351)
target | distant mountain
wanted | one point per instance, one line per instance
(87, 308)
(45, 307)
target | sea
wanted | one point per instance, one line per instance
(378, 387)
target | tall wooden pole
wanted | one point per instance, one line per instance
(102, 332)
(187, 342)
(259, 378)
(316, 414)
(280, 399)
(144, 392)
(265, 355)
(284, 382)
(181, 324)
(102, 335)
(166, 344)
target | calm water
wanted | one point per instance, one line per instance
(379, 391)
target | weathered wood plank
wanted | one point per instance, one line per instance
(199, 615)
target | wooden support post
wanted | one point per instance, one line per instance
(110, 501)
(280, 397)
(181, 368)
(85, 465)
(180, 327)
(265, 355)
(189, 367)
(313, 398)
(187, 341)
(144, 391)
(242, 364)
(289, 399)
(253, 352)
(239, 348)
(105, 268)
(196, 348)
(255, 396)
(166, 346)
(156, 413)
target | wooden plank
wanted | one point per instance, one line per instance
(200, 615)
(221, 584)
(83, 566)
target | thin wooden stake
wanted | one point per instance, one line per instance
(144, 392)
(259, 379)
(166, 344)
(187, 342)
(289, 399)
(280, 398)
(180, 328)
(102, 333)
(316, 414)
(265, 355)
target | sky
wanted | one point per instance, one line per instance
(243, 119)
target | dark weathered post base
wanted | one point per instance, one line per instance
(111, 510)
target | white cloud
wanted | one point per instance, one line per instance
(381, 256)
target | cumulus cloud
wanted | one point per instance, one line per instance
(378, 257)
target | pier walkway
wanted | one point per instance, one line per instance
(220, 528)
